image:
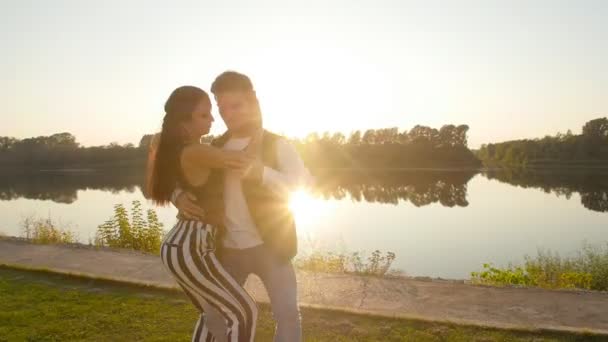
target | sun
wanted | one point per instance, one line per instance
(305, 207)
(301, 202)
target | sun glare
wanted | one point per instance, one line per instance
(305, 207)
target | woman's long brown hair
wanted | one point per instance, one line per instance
(163, 170)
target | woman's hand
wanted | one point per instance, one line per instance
(199, 157)
(255, 168)
(237, 160)
(254, 148)
(254, 171)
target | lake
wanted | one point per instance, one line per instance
(438, 223)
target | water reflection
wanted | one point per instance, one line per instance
(62, 187)
(417, 187)
(592, 185)
(420, 188)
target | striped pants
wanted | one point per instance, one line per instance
(188, 253)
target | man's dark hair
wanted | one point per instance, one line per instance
(231, 81)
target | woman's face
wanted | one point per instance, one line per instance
(200, 124)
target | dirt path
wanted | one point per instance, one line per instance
(432, 300)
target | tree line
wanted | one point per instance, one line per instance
(421, 146)
(62, 150)
(589, 147)
(446, 136)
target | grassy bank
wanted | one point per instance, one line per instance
(588, 270)
(40, 306)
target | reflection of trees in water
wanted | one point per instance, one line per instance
(592, 185)
(417, 187)
(62, 187)
(595, 200)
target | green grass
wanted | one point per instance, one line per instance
(43, 306)
(588, 270)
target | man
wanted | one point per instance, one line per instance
(259, 235)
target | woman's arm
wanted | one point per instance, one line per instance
(196, 163)
(203, 157)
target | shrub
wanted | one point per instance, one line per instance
(353, 263)
(587, 270)
(135, 232)
(46, 231)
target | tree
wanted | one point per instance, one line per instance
(145, 141)
(355, 138)
(7, 143)
(417, 134)
(387, 136)
(447, 136)
(461, 135)
(326, 138)
(424, 135)
(404, 138)
(595, 134)
(312, 137)
(338, 138)
(62, 139)
(596, 130)
(369, 137)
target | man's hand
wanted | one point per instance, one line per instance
(188, 207)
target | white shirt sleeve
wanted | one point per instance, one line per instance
(291, 173)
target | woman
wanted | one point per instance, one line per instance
(228, 313)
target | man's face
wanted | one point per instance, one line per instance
(238, 109)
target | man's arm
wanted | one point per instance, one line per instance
(186, 205)
(291, 173)
(175, 194)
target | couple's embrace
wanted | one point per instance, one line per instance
(233, 219)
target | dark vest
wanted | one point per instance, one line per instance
(269, 209)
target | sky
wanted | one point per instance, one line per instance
(102, 70)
